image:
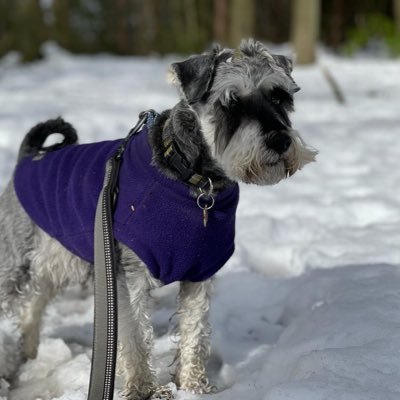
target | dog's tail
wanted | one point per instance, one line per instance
(35, 138)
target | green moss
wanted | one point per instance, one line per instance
(373, 27)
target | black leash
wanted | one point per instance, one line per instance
(105, 335)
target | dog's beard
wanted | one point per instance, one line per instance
(299, 153)
(247, 158)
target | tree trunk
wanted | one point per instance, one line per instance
(242, 21)
(205, 15)
(190, 34)
(30, 31)
(61, 25)
(305, 29)
(336, 30)
(396, 9)
(220, 21)
(121, 25)
(7, 33)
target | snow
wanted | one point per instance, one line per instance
(308, 307)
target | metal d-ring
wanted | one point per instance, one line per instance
(205, 207)
(210, 190)
(206, 196)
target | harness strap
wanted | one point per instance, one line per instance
(105, 335)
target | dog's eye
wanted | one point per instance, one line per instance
(232, 100)
(279, 96)
(234, 103)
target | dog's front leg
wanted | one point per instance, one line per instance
(194, 345)
(135, 336)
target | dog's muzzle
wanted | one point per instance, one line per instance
(279, 142)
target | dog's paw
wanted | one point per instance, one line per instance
(156, 393)
(134, 394)
(164, 392)
(4, 386)
(198, 387)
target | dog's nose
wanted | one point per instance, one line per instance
(279, 142)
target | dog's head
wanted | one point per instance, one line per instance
(243, 99)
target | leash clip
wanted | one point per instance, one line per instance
(206, 201)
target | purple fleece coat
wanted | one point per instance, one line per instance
(155, 216)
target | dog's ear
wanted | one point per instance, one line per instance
(194, 76)
(285, 62)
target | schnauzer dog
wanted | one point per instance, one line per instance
(231, 125)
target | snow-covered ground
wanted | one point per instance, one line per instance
(308, 308)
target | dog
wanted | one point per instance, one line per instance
(231, 125)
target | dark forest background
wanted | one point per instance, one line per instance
(143, 27)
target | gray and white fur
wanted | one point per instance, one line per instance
(232, 124)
